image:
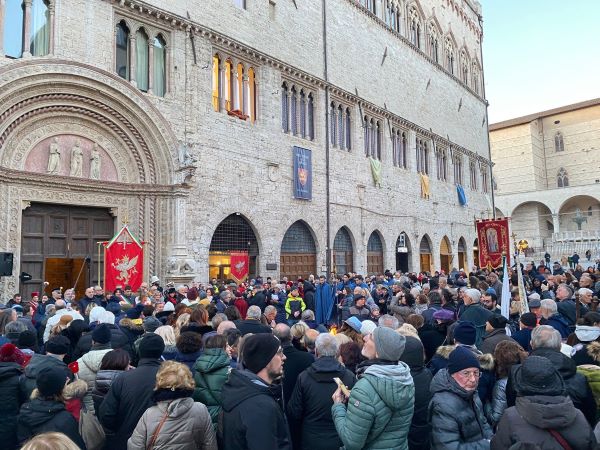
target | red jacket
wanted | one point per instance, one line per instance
(242, 306)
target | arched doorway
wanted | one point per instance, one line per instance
(475, 255)
(445, 254)
(343, 252)
(374, 254)
(234, 233)
(425, 254)
(403, 253)
(298, 252)
(579, 213)
(462, 254)
(532, 221)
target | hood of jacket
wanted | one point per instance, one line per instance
(565, 365)
(93, 358)
(593, 350)
(177, 407)
(242, 385)
(75, 389)
(325, 368)
(586, 333)
(9, 369)
(212, 359)
(37, 412)
(393, 383)
(443, 382)
(543, 411)
(187, 357)
(39, 362)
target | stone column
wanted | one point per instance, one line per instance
(556, 222)
(27, 29)
(132, 59)
(168, 69)
(411, 151)
(150, 66)
(51, 34)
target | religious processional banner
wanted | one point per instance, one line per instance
(239, 266)
(123, 261)
(493, 238)
(302, 173)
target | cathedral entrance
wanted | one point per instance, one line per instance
(55, 242)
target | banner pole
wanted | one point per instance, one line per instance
(99, 244)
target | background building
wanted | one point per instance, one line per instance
(548, 180)
(183, 118)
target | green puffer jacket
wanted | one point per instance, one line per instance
(380, 409)
(212, 371)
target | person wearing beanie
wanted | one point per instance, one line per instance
(130, 394)
(118, 339)
(46, 412)
(379, 410)
(456, 412)
(89, 364)
(543, 414)
(527, 322)
(253, 415)
(474, 312)
(12, 361)
(495, 333)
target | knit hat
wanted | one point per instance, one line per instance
(443, 314)
(355, 323)
(169, 307)
(27, 339)
(537, 376)
(534, 296)
(151, 346)
(529, 319)
(461, 358)
(535, 304)
(490, 290)
(258, 350)
(389, 344)
(357, 297)
(151, 324)
(133, 313)
(58, 345)
(95, 313)
(101, 334)
(413, 353)
(10, 353)
(465, 333)
(51, 380)
(497, 321)
(367, 327)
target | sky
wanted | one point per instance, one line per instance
(539, 54)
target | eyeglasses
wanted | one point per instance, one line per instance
(470, 373)
(280, 351)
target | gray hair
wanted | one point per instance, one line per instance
(474, 294)
(270, 309)
(224, 295)
(283, 333)
(585, 291)
(388, 321)
(15, 327)
(326, 345)
(544, 336)
(549, 305)
(307, 314)
(217, 320)
(253, 313)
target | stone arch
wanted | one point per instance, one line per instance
(343, 251)
(574, 213)
(462, 253)
(298, 256)
(403, 252)
(375, 253)
(532, 221)
(96, 100)
(426, 253)
(445, 254)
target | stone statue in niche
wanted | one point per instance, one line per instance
(54, 158)
(76, 160)
(95, 163)
(185, 157)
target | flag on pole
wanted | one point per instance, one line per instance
(123, 261)
(505, 295)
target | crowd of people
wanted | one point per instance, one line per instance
(391, 361)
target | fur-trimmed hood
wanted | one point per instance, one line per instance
(486, 360)
(76, 389)
(593, 350)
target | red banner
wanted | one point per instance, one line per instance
(493, 239)
(239, 266)
(123, 261)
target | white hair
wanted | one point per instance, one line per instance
(326, 345)
(545, 336)
(549, 305)
(585, 291)
(167, 334)
(253, 313)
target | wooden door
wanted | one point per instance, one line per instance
(445, 263)
(374, 263)
(425, 262)
(462, 261)
(297, 265)
(57, 236)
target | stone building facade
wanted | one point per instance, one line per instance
(546, 174)
(181, 118)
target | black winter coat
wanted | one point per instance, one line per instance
(575, 383)
(104, 380)
(296, 362)
(259, 299)
(43, 416)
(252, 326)
(130, 395)
(309, 408)
(432, 337)
(309, 295)
(12, 398)
(532, 417)
(117, 340)
(36, 364)
(253, 418)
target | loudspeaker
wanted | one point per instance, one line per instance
(6, 264)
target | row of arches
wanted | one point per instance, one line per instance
(299, 249)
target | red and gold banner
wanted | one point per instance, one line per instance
(239, 266)
(123, 261)
(493, 238)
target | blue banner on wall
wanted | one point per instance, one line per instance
(462, 197)
(302, 173)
